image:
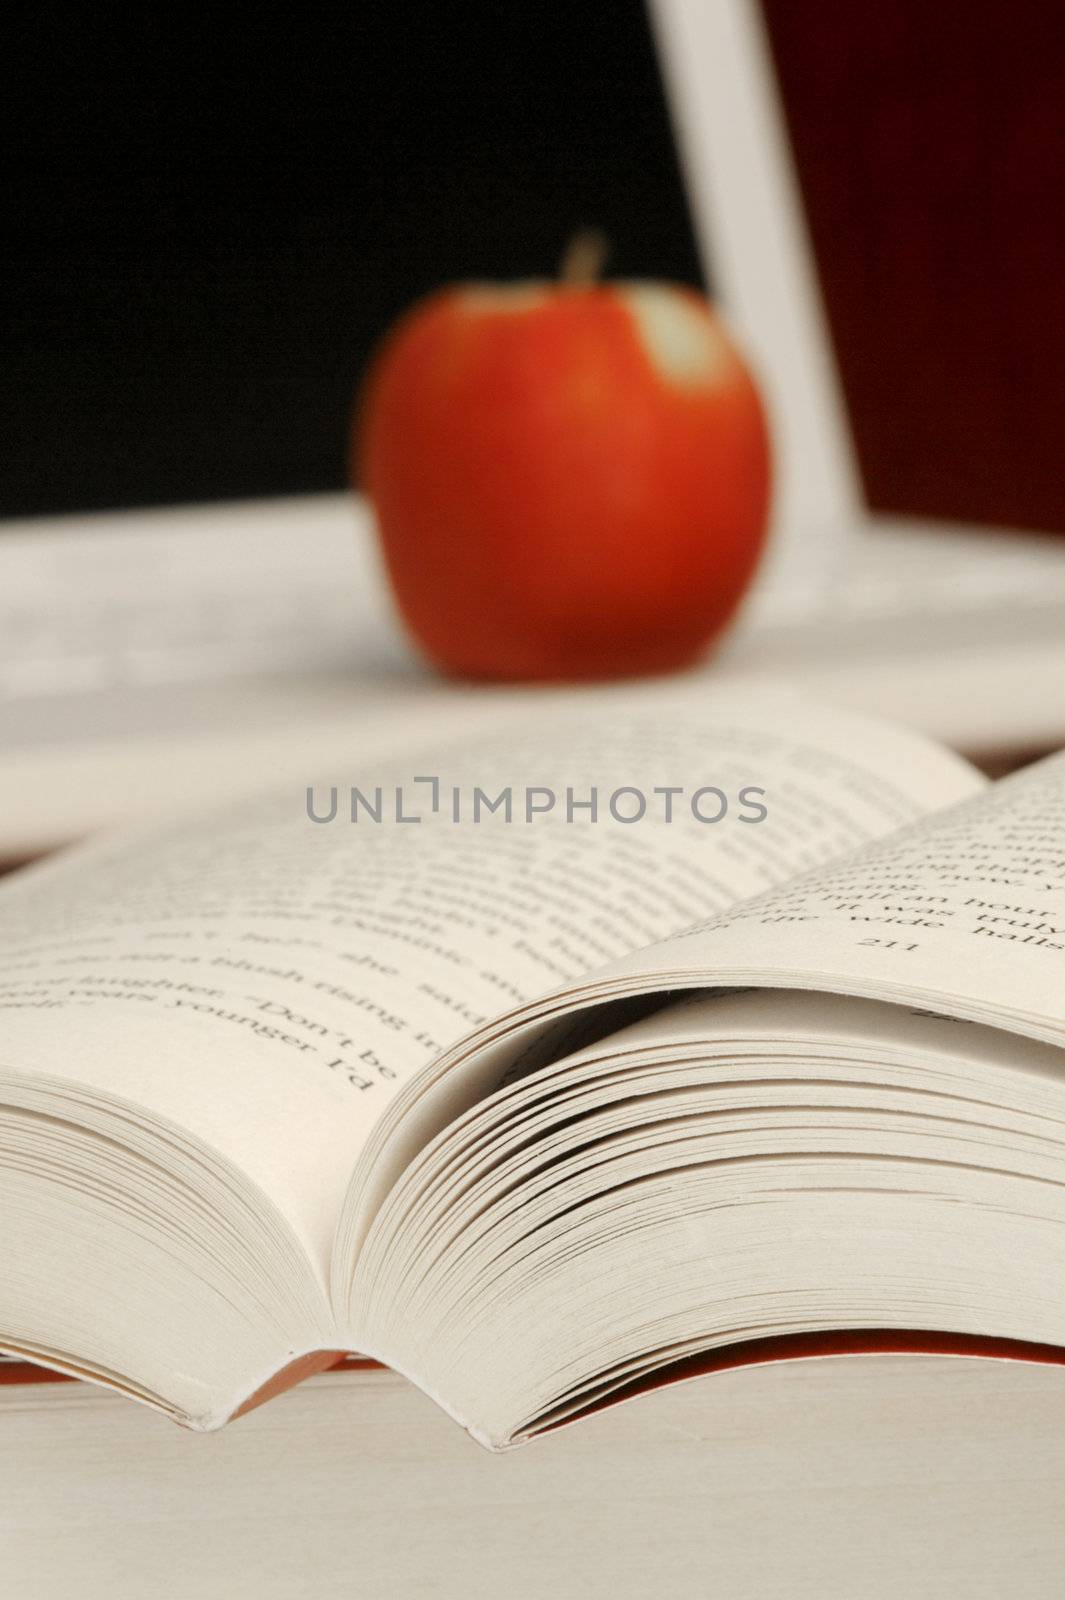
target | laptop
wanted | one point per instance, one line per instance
(956, 629)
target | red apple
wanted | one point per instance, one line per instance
(569, 481)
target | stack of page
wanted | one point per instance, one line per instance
(870, 1476)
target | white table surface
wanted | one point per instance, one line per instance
(174, 656)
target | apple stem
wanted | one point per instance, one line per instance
(584, 258)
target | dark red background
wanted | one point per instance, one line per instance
(931, 141)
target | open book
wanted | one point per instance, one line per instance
(539, 1065)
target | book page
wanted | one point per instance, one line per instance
(271, 977)
(963, 911)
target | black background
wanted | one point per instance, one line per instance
(212, 218)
